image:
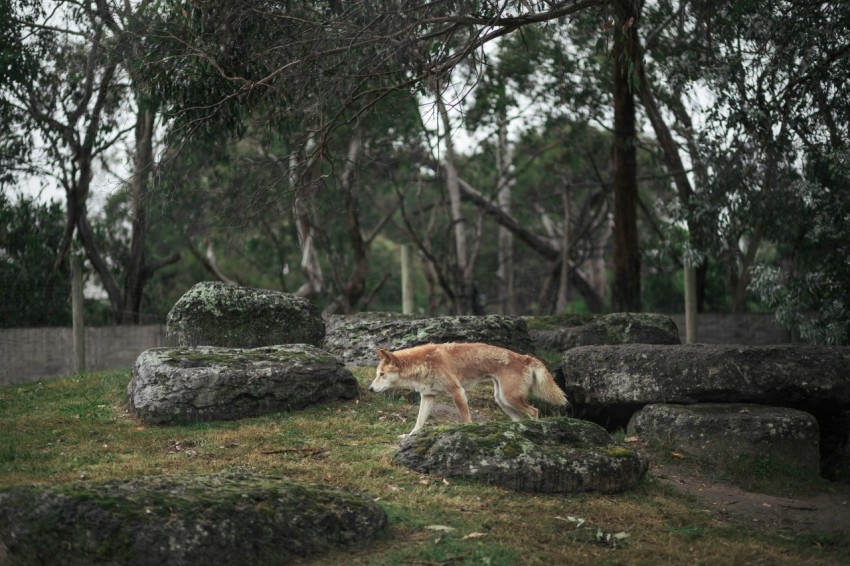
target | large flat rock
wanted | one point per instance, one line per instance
(177, 385)
(354, 338)
(214, 314)
(223, 519)
(558, 333)
(725, 431)
(609, 383)
(553, 455)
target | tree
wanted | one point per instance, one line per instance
(30, 237)
(72, 102)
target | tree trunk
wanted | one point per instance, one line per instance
(136, 274)
(302, 211)
(563, 298)
(505, 183)
(625, 291)
(463, 270)
(353, 289)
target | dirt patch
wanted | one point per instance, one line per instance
(822, 513)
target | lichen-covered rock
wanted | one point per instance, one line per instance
(224, 519)
(559, 333)
(608, 384)
(732, 430)
(176, 385)
(214, 314)
(555, 455)
(354, 338)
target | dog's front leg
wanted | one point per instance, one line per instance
(425, 403)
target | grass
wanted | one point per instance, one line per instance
(79, 429)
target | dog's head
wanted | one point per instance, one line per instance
(387, 372)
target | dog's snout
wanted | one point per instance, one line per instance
(372, 389)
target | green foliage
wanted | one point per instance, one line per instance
(30, 236)
(811, 294)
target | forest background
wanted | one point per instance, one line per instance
(538, 156)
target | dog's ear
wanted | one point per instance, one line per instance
(382, 354)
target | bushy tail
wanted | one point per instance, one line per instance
(543, 386)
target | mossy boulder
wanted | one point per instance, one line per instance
(179, 385)
(215, 314)
(554, 455)
(220, 519)
(354, 338)
(559, 333)
(725, 431)
(609, 383)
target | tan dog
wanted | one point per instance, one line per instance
(452, 368)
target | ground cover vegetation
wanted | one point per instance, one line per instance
(77, 428)
(537, 156)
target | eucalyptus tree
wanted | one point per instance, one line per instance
(754, 95)
(69, 108)
(310, 67)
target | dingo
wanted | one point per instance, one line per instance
(452, 368)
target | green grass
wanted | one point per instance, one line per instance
(79, 429)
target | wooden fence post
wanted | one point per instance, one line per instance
(407, 279)
(690, 304)
(79, 329)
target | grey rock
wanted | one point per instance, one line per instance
(554, 455)
(214, 314)
(607, 384)
(731, 430)
(354, 338)
(559, 333)
(221, 519)
(176, 385)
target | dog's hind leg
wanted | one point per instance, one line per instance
(519, 404)
(505, 406)
(459, 397)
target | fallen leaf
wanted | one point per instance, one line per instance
(440, 528)
(474, 535)
(631, 439)
(677, 455)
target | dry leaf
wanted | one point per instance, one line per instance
(440, 528)
(474, 535)
(677, 455)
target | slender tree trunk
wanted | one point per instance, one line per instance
(563, 298)
(136, 274)
(625, 295)
(302, 211)
(463, 270)
(353, 289)
(505, 183)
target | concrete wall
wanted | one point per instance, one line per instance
(751, 329)
(30, 354)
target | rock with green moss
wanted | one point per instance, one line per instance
(733, 431)
(559, 333)
(179, 385)
(214, 314)
(609, 383)
(553, 455)
(221, 519)
(354, 338)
